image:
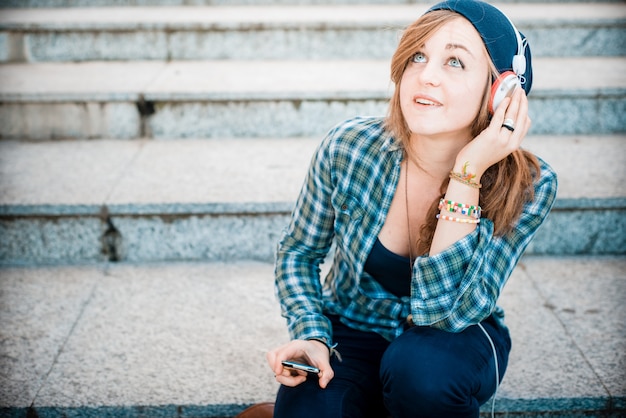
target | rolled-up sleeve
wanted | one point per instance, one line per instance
(461, 285)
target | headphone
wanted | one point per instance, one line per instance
(507, 81)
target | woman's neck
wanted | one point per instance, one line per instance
(435, 157)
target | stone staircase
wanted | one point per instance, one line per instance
(283, 73)
(179, 131)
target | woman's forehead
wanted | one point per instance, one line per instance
(457, 33)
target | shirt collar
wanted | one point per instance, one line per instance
(390, 144)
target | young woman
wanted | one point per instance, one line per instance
(429, 211)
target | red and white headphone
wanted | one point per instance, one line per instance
(507, 81)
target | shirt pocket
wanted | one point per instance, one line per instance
(348, 216)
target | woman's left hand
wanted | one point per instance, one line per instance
(496, 141)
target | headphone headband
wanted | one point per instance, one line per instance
(519, 59)
(508, 50)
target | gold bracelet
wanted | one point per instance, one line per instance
(463, 179)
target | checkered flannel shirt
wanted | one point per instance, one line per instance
(343, 204)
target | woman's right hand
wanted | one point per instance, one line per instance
(495, 142)
(312, 352)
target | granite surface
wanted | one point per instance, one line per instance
(111, 339)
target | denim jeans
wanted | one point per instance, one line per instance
(425, 372)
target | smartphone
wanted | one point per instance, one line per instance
(292, 365)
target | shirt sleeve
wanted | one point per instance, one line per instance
(302, 248)
(460, 286)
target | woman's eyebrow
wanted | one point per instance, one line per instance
(459, 46)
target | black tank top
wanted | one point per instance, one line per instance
(389, 269)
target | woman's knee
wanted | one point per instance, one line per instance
(425, 391)
(429, 373)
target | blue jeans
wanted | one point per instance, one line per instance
(425, 372)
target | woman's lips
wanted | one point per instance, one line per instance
(426, 100)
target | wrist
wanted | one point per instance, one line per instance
(321, 341)
(331, 348)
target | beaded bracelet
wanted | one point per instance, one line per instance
(460, 220)
(454, 207)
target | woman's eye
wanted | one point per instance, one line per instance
(419, 57)
(455, 62)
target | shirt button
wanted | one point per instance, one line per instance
(344, 207)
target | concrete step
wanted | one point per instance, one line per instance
(219, 99)
(280, 32)
(188, 339)
(224, 200)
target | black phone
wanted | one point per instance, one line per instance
(292, 365)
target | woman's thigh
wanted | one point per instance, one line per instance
(354, 392)
(428, 372)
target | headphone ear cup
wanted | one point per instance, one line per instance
(501, 88)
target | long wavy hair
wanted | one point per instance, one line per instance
(506, 185)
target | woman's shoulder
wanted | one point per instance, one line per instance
(358, 128)
(358, 132)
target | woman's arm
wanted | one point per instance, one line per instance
(460, 286)
(301, 250)
(491, 146)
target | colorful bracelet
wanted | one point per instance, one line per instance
(460, 220)
(454, 207)
(465, 177)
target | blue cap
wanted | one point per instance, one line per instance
(499, 35)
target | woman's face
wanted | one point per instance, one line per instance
(442, 87)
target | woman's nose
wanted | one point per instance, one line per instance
(429, 74)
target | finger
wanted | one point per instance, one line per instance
(523, 113)
(498, 117)
(325, 376)
(515, 124)
(529, 123)
(522, 121)
(293, 373)
(320, 358)
(273, 359)
(290, 381)
(511, 114)
(512, 111)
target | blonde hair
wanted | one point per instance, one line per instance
(507, 185)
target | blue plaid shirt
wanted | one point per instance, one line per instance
(344, 201)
